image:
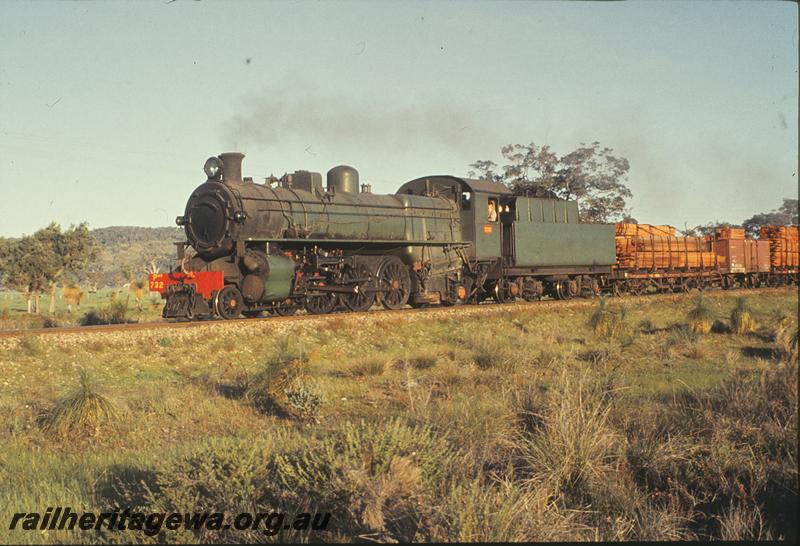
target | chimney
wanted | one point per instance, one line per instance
(231, 167)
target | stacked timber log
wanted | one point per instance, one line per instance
(784, 249)
(645, 246)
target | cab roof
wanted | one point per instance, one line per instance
(444, 183)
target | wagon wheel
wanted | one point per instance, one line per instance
(620, 288)
(228, 302)
(394, 282)
(637, 288)
(362, 299)
(322, 304)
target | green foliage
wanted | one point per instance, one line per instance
(304, 400)
(82, 411)
(373, 476)
(35, 263)
(282, 374)
(590, 174)
(222, 475)
(786, 214)
(576, 439)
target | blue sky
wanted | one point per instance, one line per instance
(109, 109)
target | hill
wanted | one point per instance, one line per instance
(132, 248)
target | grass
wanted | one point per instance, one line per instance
(14, 316)
(466, 424)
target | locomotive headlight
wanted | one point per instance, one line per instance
(212, 167)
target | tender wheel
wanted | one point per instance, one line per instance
(394, 282)
(321, 305)
(228, 302)
(564, 290)
(363, 299)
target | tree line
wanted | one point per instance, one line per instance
(35, 264)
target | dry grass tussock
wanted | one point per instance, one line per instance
(82, 411)
(742, 321)
(787, 339)
(569, 445)
(700, 317)
(610, 321)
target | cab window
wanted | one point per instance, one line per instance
(492, 211)
(466, 202)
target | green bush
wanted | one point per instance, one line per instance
(378, 478)
(115, 312)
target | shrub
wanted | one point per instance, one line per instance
(84, 410)
(222, 475)
(50, 323)
(742, 320)
(115, 312)
(373, 476)
(304, 400)
(700, 317)
(282, 373)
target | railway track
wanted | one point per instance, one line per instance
(468, 309)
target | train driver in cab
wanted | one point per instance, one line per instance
(492, 211)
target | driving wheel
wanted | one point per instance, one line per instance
(394, 283)
(361, 276)
(322, 304)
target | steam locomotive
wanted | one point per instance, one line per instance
(290, 244)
